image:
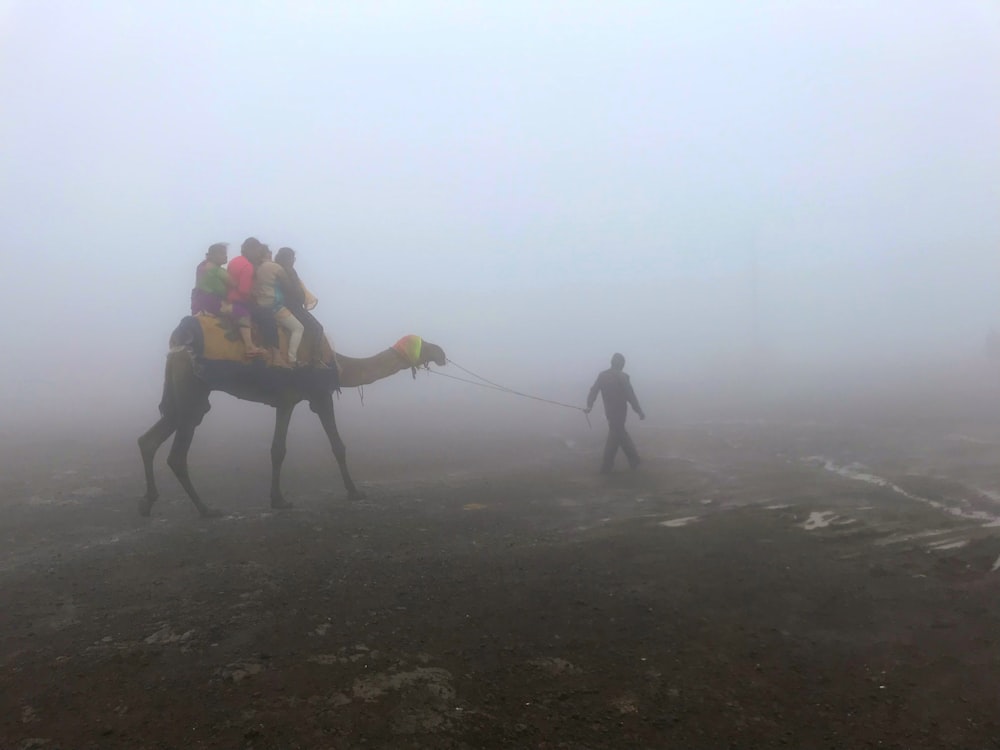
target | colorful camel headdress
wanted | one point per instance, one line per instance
(409, 347)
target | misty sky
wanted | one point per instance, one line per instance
(532, 185)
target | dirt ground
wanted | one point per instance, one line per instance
(753, 585)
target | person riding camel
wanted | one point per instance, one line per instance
(269, 287)
(212, 283)
(240, 295)
(298, 301)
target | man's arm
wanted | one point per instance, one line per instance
(592, 396)
(310, 299)
(294, 296)
(633, 401)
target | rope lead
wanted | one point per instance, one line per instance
(503, 389)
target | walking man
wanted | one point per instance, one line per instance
(616, 392)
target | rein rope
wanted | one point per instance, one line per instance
(490, 385)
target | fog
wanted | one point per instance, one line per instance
(764, 206)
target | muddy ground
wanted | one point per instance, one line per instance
(753, 585)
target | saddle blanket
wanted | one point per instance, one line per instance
(221, 361)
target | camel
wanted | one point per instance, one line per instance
(185, 403)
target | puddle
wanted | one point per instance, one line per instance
(678, 522)
(948, 544)
(857, 473)
(819, 520)
(897, 538)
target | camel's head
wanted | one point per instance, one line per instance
(432, 353)
(419, 353)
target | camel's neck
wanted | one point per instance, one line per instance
(355, 372)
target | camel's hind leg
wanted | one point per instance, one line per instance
(323, 407)
(186, 401)
(149, 443)
(177, 461)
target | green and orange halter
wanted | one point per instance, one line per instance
(409, 348)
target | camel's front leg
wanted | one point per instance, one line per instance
(283, 416)
(177, 461)
(149, 443)
(323, 407)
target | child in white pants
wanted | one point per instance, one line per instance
(295, 330)
(270, 283)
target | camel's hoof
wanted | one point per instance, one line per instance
(281, 504)
(357, 495)
(145, 506)
(211, 513)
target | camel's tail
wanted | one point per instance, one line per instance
(185, 397)
(188, 334)
(181, 338)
